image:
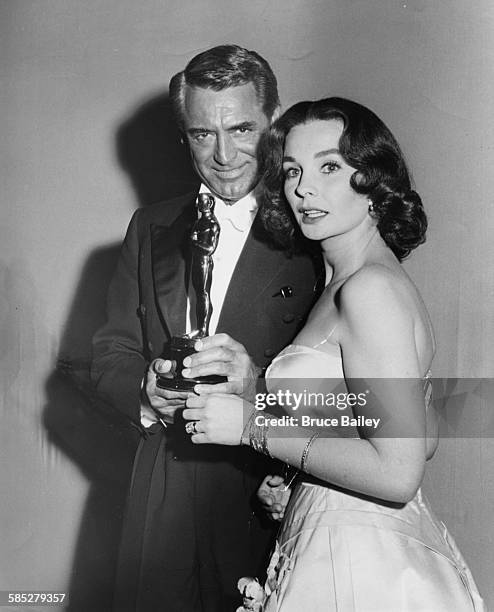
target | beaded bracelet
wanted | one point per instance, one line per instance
(305, 454)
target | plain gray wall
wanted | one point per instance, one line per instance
(79, 77)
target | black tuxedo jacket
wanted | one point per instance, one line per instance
(189, 510)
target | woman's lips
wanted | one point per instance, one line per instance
(312, 215)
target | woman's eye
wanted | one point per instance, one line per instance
(291, 172)
(330, 166)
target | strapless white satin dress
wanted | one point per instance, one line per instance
(342, 552)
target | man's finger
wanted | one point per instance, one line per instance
(274, 480)
(218, 353)
(222, 368)
(168, 394)
(219, 340)
(267, 501)
(271, 480)
(161, 366)
(166, 404)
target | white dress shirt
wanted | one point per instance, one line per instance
(235, 223)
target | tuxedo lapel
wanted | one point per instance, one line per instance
(170, 262)
(257, 267)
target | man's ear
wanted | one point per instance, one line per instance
(276, 114)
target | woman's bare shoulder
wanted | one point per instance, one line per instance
(375, 285)
(383, 302)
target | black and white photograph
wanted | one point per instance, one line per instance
(246, 318)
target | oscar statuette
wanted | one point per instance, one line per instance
(204, 240)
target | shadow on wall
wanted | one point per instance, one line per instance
(89, 433)
(91, 437)
(149, 149)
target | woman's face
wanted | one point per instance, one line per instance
(317, 181)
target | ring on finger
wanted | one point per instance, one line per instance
(190, 428)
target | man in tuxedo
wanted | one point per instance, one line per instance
(190, 530)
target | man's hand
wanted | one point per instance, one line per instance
(274, 496)
(220, 354)
(164, 401)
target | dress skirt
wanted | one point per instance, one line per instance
(342, 552)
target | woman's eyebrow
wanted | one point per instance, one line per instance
(288, 158)
(326, 152)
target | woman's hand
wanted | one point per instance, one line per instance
(219, 418)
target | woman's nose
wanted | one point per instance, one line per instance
(306, 187)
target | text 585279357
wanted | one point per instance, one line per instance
(32, 598)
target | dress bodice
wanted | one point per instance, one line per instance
(312, 378)
(301, 370)
(299, 361)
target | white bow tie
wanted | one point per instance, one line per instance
(239, 215)
(240, 218)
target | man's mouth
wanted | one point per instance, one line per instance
(227, 173)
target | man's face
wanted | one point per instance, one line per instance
(223, 129)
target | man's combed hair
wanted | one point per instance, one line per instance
(222, 67)
(381, 173)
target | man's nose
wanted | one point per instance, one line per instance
(225, 150)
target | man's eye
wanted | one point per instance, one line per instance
(291, 173)
(330, 166)
(200, 136)
(243, 130)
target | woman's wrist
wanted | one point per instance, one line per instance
(255, 434)
(245, 437)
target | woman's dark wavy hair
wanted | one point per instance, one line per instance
(381, 173)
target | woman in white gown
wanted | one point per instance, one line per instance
(357, 534)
